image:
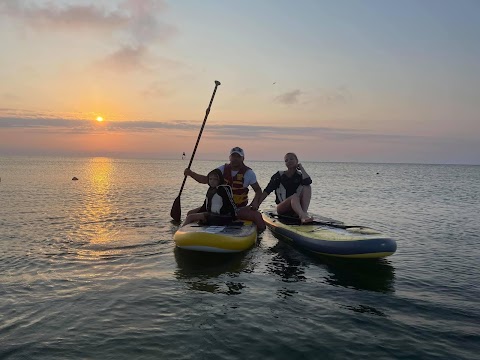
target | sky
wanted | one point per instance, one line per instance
(345, 80)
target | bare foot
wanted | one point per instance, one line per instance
(306, 220)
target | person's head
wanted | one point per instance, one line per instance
(215, 178)
(291, 160)
(236, 157)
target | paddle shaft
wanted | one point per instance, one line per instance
(199, 135)
(318, 222)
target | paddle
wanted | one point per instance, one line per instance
(291, 220)
(176, 211)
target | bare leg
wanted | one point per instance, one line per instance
(194, 211)
(246, 213)
(194, 217)
(305, 197)
(293, 203)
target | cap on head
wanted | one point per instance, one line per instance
(237, 150)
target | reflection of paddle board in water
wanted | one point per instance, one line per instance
(235, 237)
(331, 237)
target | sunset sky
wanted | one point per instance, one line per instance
(369, 81)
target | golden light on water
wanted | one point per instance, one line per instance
(98, 208)
(99, 118)
(99, 223)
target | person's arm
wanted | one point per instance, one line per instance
(202, 179)
(263, 197)
(306, 180)
(272, 185)
(258, 195)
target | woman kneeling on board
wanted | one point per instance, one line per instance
(292, 189)
(218, 207)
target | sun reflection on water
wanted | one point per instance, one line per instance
(99, 211)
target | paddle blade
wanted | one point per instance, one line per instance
(176, 212)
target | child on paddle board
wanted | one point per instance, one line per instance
(218, 207)
(292, 189)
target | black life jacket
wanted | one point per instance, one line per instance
(219, 201)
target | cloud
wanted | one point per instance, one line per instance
(144, 26)
(154, 90)
(338, 95)
(134, 26)
(289, 98)
(112, 138)
(233, 131)
(62, 126)
(136, 19)
(12, 114)
(136, 58)
(83, 126)
(304, 133)
(142, 30)
(53, 16)
(126, 58)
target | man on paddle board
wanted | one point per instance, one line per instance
(239, 177)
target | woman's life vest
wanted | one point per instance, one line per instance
(240, 193)
(285, 186)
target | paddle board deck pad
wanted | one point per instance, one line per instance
(331, 237)
(235, 237)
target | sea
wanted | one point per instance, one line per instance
(89, 269)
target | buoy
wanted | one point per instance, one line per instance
(74, 178)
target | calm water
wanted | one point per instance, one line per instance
(88, 268)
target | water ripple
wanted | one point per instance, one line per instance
(89, 269)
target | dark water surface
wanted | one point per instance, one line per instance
(88, 268)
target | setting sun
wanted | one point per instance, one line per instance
(99, 118)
